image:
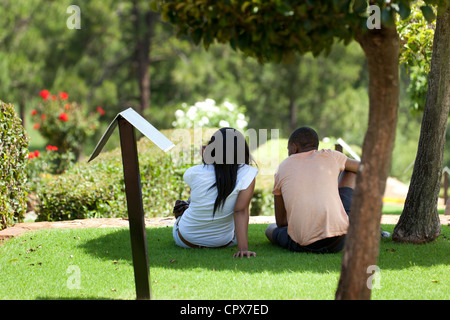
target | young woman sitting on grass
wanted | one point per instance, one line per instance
(217, 212)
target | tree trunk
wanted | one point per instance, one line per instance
(381, 47)
(420, 221)
(144, 24)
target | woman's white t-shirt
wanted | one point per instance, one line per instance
(197, 224)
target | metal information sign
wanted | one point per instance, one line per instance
(127, 121)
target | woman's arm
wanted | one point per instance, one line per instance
(241, 216)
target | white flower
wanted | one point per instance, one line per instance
(210, 102)
(179, 113)
(207, 105)
(191, 112)
(205, 120)
(241, 123)
(207, 113)
(224, 123)
(229, 105)
(200, 105)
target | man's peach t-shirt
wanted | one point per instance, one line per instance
(308, 183)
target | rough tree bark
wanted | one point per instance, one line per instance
(419, 221)
(381, 47)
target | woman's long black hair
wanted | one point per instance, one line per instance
(227, 156)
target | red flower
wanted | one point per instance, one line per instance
(43, 117)
(54, 97)
(63, 116)
(44, 94)
(36, 126)
(101, 111)
(51, 148)
(36, 153)
(67, 106)
(33, 112)
(31, 155)
(63, 95)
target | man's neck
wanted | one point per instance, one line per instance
(303, 151)
(306, 150)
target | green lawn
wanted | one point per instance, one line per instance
(96, 264)
(398, 208)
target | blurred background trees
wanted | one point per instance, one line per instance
(100, 65)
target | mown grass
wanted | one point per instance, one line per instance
(397, 209)
(46, 265)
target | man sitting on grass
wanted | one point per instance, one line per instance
(313, 192)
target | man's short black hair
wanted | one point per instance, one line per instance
(305, 138)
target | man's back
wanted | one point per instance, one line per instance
(308, 182)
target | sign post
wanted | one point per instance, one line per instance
(127, 121)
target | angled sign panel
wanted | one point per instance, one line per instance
(147, 129)
(139, 123)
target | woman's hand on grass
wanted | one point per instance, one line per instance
(243, 253)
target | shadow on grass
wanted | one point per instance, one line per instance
(163, 253)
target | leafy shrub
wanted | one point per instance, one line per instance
(41, 166)
(97, 189)
(416, 35)
(13, 161)
(64, 124)
(262, 202)
(208, 114)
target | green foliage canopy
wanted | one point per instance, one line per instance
(274, 30)
(268, 30)
(416, 35)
